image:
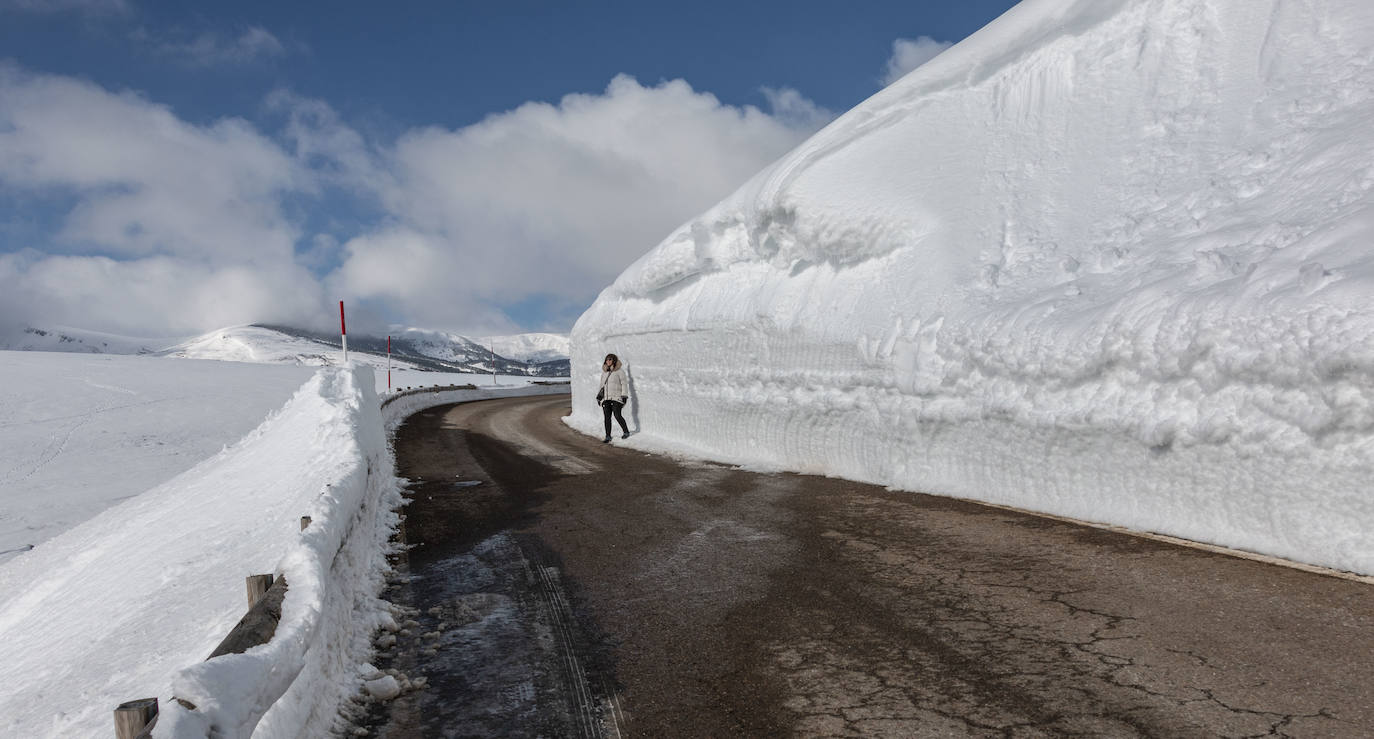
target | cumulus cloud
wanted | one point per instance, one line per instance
(215, 49)
(908, 54)
(556, 199)
(155, 225)
(145, 181)
(161, 224)
(321, 141)
(159, 296)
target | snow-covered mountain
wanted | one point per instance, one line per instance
(534, 348)
(542, 355)
(258, 344)
(63, 339)
(1109, 259)
(411, 348)
(444, 346)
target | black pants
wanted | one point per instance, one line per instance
(614, 406)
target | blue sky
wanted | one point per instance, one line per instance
(167, 168)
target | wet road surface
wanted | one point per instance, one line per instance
(562, 587)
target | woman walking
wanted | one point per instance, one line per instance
(615, 390)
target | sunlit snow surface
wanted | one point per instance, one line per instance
(128, 603)
(1111, 259)
(79, 432)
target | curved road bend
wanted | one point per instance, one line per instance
(589, 590)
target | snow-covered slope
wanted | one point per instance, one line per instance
(413, 349)
(114, 608)
(80, 433)
(533, 348)
(1110, 259)
(529, 348)
(64, 339)
(442, 345)
(263, 345)
(129, 603)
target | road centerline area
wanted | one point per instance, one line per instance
(585, 589)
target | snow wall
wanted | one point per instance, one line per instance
(323, 455)
(1106, 259)
(335, 432)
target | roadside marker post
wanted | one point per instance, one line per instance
(343, 331)
(388, 364)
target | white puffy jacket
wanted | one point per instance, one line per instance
(614, 385)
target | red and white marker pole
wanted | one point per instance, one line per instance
(388, 364)
(343, 330)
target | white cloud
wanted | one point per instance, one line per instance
(146, 181)
(795, 110)
(172, 227)
(555, 200)
(161, 295)
(92, 7)
(167, 227)
(908, 54)
(216, 49)
(332, 150)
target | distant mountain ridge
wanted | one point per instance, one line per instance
(531, 355)
(436, 351)
(64, 339)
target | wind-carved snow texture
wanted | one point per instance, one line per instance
(1104, 259)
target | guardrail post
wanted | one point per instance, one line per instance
(135, 719)
(257, 586)
(258, 625)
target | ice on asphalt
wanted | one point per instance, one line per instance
(1107, 259)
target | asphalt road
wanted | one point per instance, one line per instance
(582, 589)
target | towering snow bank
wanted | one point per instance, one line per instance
(1108, 259)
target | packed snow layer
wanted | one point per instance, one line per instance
(79, 433)
(1108, 259)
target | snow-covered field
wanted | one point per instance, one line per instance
(128, 603)
(81, 432)
(1108, 259)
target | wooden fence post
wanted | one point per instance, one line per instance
(258, 625)
(257, 585)
(305, 521)
(135, 719)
